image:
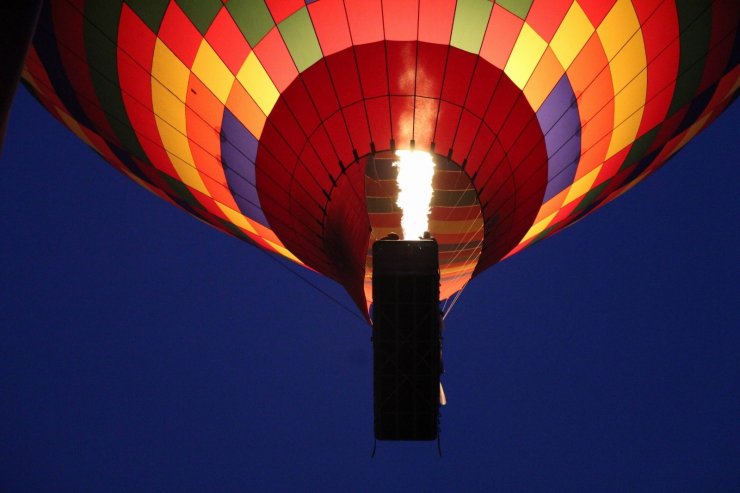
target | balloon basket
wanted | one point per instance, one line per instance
(406, 339)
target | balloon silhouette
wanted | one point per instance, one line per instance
(278, 121)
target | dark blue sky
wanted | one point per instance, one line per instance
(141, 350)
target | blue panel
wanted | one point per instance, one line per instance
(238, 153)
(561, 126)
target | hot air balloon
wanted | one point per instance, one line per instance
(276, 121)
(283, 122)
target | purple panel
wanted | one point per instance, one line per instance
(559, 121)
(238, 153)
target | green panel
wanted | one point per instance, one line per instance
(454, 198)
(299, 36)
(235, 231)
(252, 17)
(201, 12)
(541, 236)
(182, 192)
(149, 11)
(519, 8)
(695, 23)
(377, 205)
(590, 197)
(639, 148)
(471, 19)
(103, 17)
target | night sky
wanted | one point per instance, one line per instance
(142, 350)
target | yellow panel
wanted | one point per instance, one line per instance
(539, 227)
(258, 84)
(622, 40)
(286, 253)
(524, 57)
(209, 68)
(572, 35)
(236, 218)
(582, 186)
(168, 107)
(169, 89)
(628, 110)
(629, 63)
(617, 27)
(169, 70)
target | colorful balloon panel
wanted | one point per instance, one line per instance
(275, 120)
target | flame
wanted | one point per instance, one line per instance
(415, 173)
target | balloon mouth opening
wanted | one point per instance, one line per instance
(455, 220)
(415, 191)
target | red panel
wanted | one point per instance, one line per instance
(469, 124)
(319, 86)
(275, 58)
(330, 23)
(596, 10)
(449, 115)
(515, 122)
(494, 163)
(272, 140)
(378, 112)
(659, 33)
(494, 178)
(356, 119)
(228, 41)
(179, 34)
(460, 65)
(282, 118)
(530, 152)
(304, 182)
(425, 119)
(431, 69)
(484, 82)
(402, 120)
(501, 34)
(520, 143)
(281, 9)
(435, 21)
(668, 129)
(725, 14)
(345, 77)
(339, 137)
(373, 70)
(365, 20)
(304, 214)
(401, 67)
(400, 18)
(136, 89)
(301, 105)
(503, 101)
(272, 183)
(481, 144)
(545, 16)
(309, 159)
(322, 145)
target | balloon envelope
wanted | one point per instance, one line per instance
(276, 121)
